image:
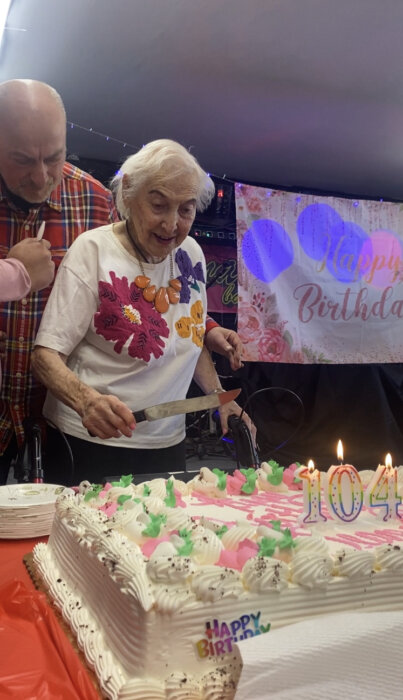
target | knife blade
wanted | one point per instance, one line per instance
(174, 408)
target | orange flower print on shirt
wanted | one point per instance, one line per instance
(184, 326)
(196, 312)
(192, 326)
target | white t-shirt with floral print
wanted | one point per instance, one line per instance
(116, 341)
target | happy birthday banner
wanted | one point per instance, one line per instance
(319, 278)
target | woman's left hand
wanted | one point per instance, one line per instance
(231, 408)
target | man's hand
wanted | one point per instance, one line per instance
(225, 342)
(37, 260)
(3, 339)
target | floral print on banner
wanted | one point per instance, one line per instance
(124, 313)
(193, 325)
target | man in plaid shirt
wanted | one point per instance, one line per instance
(36, 186)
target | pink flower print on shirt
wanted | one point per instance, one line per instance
(124, 313)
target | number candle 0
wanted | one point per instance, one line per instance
(382, 490)
(345, 493)
(311, 483)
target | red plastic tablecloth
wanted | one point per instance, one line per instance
(37, 661)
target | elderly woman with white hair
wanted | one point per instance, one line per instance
(124, 325)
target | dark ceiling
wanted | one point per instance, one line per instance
(293, 93)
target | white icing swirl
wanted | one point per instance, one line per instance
(263, 472)
(181, 686)
(390, 556)
(311, 545)
(142, 689)
(312, 571)
(218, 685)
(354, 563)
(236, 534)
(177, 519)
(132, 523)
(181, 486)
(169, 569)
(213, 583)
(157, 488)
(206, 482)
(261, 574)
(206, 546)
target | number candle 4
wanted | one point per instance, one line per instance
(382, 490)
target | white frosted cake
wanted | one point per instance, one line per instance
(159, 581)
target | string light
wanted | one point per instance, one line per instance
(90, 130)
(124, 144)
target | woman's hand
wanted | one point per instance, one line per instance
(105, 416)
(225, 342)
(232, 408)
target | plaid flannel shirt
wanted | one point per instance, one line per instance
(79, 203)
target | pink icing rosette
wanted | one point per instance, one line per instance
(289, 476)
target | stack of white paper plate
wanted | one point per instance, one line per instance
(27, 510)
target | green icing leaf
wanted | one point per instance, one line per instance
(287, 540)
(122, 498)
(276, 476)
(170, 500)
(153, 528)
(187, 547)
(276, 525)
(222, 478)
(195, 286)
(250, 483)
(124, 481)
(267, 547)
(96, 489)
(221, 531)
(146, 490)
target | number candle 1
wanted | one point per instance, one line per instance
(310, 476)
(345, 493)
(382, 490)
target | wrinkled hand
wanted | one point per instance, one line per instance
(3, 339)
(225, 342)
(232, 408)
(105, 416)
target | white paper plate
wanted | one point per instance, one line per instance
(27, 495)
(27, 510)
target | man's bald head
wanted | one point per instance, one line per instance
(32, 138)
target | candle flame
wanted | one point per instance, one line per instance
(388, 460)
(340, 450)
(311, 466)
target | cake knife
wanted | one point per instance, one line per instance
(173, 408)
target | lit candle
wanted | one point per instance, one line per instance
(345, 493)
(310, 476)
(382, 490)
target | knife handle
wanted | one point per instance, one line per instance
(139, 416)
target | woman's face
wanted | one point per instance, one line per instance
(162, 213)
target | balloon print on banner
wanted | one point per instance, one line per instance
(267, 250)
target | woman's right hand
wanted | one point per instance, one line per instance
(105, 416)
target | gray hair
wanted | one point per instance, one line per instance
(162, 159)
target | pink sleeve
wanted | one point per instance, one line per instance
(15, 282)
